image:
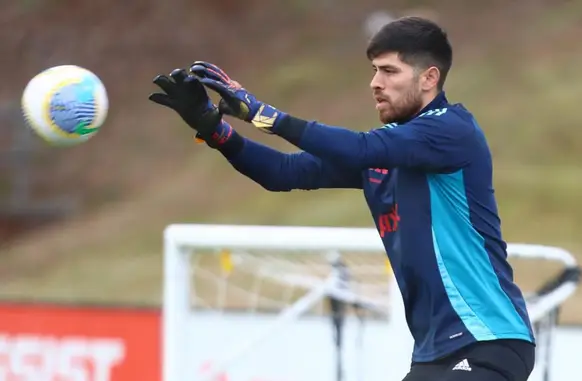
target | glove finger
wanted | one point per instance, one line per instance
(196, 89)
(213, 68)
(194, 83)
(166, 84)
(178, 75)
(218, 87)
(203, 72)
(161, 99)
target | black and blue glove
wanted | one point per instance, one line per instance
(186, 95)
(236, 101)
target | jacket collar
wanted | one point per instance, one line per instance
(439, 101)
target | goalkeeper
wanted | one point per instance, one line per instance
(426, 175)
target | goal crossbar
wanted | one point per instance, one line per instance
(292, 238)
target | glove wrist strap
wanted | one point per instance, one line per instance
(266, 118)
(224, 139)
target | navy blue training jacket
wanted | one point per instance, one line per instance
(428, 184)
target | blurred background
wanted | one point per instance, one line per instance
(85, 224)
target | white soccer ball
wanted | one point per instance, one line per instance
(65, 105)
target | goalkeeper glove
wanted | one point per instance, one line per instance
(236, 101)
(185, 94)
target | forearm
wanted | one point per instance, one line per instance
(273, 170)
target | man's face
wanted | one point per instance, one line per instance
(396, 89)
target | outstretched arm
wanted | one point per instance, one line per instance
(437, 142)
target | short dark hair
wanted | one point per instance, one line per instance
(419, 42)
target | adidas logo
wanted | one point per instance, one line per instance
(463, 365)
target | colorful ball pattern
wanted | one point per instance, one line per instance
(65, 105)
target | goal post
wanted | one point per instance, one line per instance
(249, 303)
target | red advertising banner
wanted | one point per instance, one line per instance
(63, 343)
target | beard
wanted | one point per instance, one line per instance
(403, 109)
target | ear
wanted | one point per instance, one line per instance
(430, 78)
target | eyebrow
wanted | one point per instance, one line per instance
(387, 66)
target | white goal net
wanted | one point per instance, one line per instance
(266, 303)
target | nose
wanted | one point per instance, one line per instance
(376, 83)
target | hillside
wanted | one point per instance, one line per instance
(516, 68)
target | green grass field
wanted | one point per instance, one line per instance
(523, 90)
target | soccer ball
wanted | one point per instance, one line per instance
(65, 105)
